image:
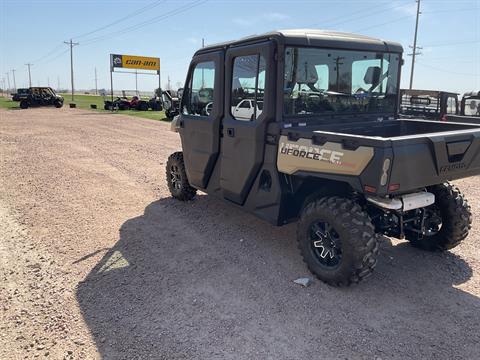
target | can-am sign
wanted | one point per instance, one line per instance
(134, 62)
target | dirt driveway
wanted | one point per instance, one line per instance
(97, 261)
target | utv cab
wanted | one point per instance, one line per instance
(322, 145)
(41, 96)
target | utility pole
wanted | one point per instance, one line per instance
(71, 44)
(96, 84)
(136, 82)
(14, 83)
(8, 80)
(29, 74)
(415, 47)
(338, 62)
(58, 83)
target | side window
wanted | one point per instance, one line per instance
(472, 107)
(451, 105)
(198, 95)
(248, 87)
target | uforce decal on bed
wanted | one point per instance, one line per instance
(302, 155)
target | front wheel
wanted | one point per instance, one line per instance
(448, 221)
(58, 104)
(337, 241)
(24, 104)
(177, 178)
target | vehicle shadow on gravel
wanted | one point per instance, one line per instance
(204, 280)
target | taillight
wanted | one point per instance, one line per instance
(393, 187)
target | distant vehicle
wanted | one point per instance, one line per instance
(40, 96)
(122, 103)
(469, 109)
(170, 103)
(20, 95)
(245, 110)
(470, 105)
(428, 104)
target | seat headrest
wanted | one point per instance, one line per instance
(372, 76)
(306, 73)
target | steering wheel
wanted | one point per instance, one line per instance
(208, 108)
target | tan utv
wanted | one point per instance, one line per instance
(320, 142)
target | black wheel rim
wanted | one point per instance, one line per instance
(175, 177)
(325, 244)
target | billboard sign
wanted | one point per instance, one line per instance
(134, 62)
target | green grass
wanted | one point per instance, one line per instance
(84, 101)
(7, 103)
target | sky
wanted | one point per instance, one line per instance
(34, 31)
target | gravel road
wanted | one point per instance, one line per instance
(97, 261)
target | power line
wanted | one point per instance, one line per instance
(126, 17)
(368, 11)
(473, 41)
(53, 51)
(147, 22)
(385, 23)
(446, 71)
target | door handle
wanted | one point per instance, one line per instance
(231, 132)
(181, 124)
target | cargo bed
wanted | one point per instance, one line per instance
(422, 152)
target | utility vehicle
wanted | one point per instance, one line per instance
(122, 103)
(428, 104)
(469, 109)
(327, 150)
(41, 96)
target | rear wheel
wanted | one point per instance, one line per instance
(24, 104)
(337, 241)
(143, 106)
(177, 178)
(448, 221)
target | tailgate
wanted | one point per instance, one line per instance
(434, 159)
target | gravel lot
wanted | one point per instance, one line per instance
(97, 261)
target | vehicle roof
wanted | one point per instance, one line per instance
(472, 94)
(426, 92)
(314, 37)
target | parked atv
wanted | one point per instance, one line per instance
(321, 143)
(122, 103)
(40, 96)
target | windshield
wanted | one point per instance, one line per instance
(327, 81)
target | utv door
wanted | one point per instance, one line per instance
(200, 114)
(250, 72)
